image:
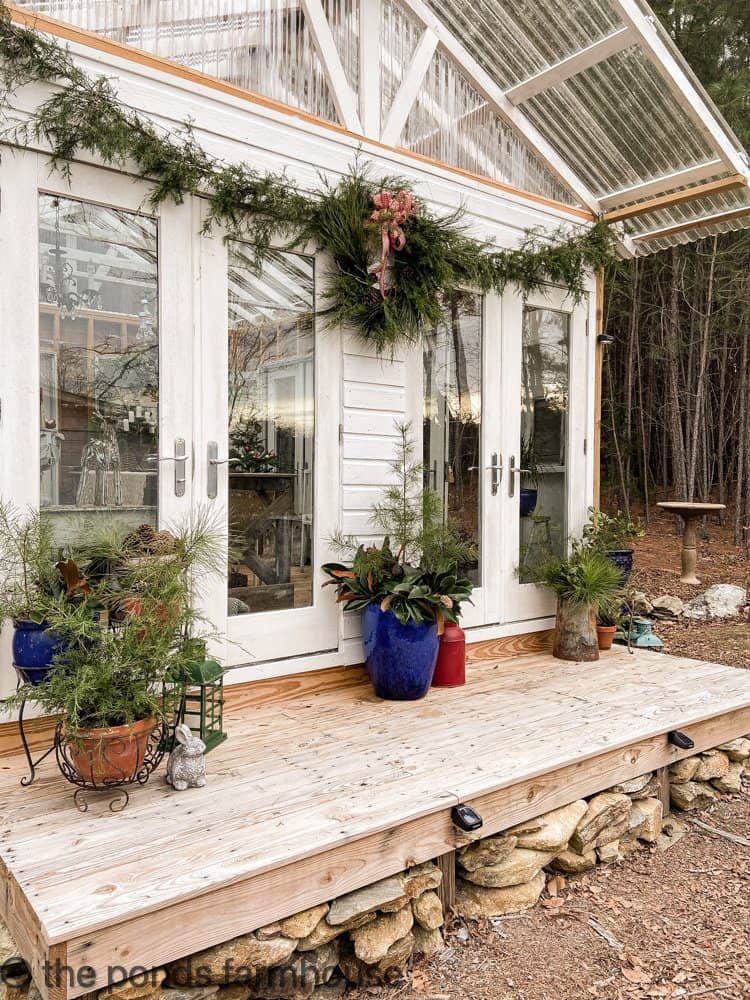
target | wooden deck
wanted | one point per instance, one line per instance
(330, 789)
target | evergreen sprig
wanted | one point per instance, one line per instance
(439, 257)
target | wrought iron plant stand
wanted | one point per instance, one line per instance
(116, 787)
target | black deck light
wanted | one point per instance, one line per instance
(605, 339)
(680, 740)
(466, 818)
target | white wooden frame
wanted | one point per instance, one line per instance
(523, 602)
(295, 632)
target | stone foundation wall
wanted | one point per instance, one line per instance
(368, 937)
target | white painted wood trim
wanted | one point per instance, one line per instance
(582, 60)
(665, 183)
(496, 97)
(683, 88)
(370, 74)
(341, 92)
(407, 94)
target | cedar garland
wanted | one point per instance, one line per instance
(438, 257)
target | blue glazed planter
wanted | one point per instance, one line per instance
(400, 658)
(623, 560)
(34, 649)
(528, 500)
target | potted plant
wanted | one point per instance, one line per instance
(408, 587)
(529, 492)
(612, 534)
(584, 582)
(609, 621)
(33, 586)
(107, 683)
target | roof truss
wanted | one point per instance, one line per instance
(499, 102)
(573, 65)
(723, 185)
(667, 182)
(341, 93)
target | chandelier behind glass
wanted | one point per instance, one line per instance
(59, 286)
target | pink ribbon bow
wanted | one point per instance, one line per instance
(390, 214)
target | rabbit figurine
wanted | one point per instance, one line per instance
(186, 767)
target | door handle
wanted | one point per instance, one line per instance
(496, 468)
(213, 461)
(180, 463)
(512, 471)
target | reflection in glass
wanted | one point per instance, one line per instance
(453, 417)
(544, 423)
(99, 362)
(271, 430)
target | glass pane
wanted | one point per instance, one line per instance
(544, 421)
(271, 430)
(453, 417)
(99, 362)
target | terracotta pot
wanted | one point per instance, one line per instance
(103, 756)
(605, 634)
(575, 632)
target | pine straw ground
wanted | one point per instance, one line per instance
(672, 925)
(657, 572)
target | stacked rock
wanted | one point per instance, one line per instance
(694, 781)
(366, 935)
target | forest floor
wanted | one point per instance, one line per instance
(657, 572)
(671, 925)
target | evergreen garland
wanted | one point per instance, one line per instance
(439, 257)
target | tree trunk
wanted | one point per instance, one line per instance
(575, 632)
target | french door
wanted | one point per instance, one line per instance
(505, 413)
(267, 449)
(155, 375)
(545, 361)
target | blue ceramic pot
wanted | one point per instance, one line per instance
(528, 501)
(34, 649)
(623, 560)
(400, 658)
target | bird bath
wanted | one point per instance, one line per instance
(690, 513)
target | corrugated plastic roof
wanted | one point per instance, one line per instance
(584, 101)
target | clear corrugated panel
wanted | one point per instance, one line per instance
(260, 45)
(452, 123)
(618, 124)
(343, 17)
(513, 39)
(399, 34)
(716, 205)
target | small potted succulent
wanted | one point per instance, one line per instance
(408, 587)
(613, 534)
(609, 621)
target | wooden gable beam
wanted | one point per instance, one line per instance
(341, 92)
(578, 62)
(497, 99)
(724, 184)
(682, 87)
(667, 182)
(370, 69)
(408, 92)
(686, 227)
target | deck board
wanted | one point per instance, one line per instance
(336, 774)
